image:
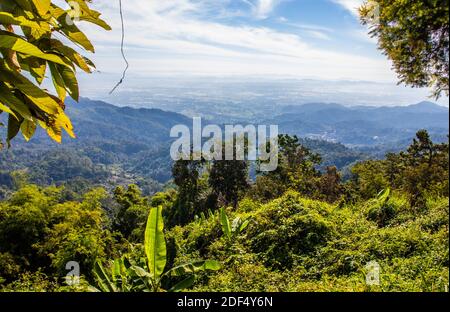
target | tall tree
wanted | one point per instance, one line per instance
(229, 178)
(28, 48)
(415, 36)
(186, 175)
(132, 213)
(296, 170)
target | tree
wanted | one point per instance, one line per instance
(415, 36)
(420, 171)
(41, 232)
(28, 47)
(132, 213)
(296, 170)
(186, 175)
(229, 179)
(330, 187)
(425, 169)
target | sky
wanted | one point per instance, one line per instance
(314, 39)
(299, 38)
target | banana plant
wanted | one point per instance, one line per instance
(117, 279)
(125, 276)
(232, 229)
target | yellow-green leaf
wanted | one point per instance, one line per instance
(42, 6)
(75, 34)
(28, 128)
(154, 243)
(30, 90)
(6, 96)
(70, 81)
(13, 128)
(13, 42)
(82, 62)
(7, 110)
(58, 82)
(9, 19)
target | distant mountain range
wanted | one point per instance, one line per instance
(122, 145)
(119, 145)
(363, 126)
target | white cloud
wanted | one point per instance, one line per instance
(265, 7)
(184, 37)
(351, 5)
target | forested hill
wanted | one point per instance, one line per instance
(115, 146)
(364, 126)
(100, 121)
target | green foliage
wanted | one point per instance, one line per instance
(298, 244)
(187, 177)
(28, 44)
(382, 211)
(232, 229)
(126, 276)
(296, 170)
(39, 231)
(132, 213)
(287, 228)
(414, 35)
(422, 169)
(316, 238)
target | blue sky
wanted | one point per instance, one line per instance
(313, 39)
(283, 38)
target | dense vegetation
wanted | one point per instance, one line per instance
(312, 232)
(414, 35)
(29, 47)
(302, 227)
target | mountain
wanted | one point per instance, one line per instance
(100, 121)
(114, 145)
(363, 126)
(117, 146)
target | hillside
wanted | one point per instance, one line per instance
(363, 126)
(118, 146)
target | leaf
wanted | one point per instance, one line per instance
(154, 243)
(102, 278)
(92, 16)
(53, 131)
(16, 43)
(6, 96)
(35, 66)
(82, 62)
(13, 129)
(9, 19)
(140, 271)
(42, 6)
(226, 227)
(28, 128)
(25, 4)
(58, 82)
(236, 224)
(64, 122)
(244, 225)
(194, 267)
(383, 196)
(7, 110)
(70, 81)
(75, 34)
(30, 90)
(186, 283)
